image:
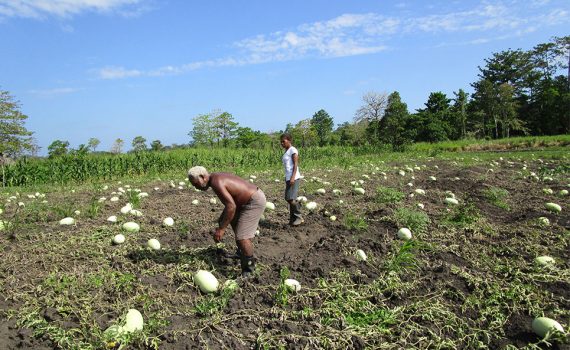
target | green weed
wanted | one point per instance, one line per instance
(463, 215)
(497, 196)
(405, 258)
(133, 198)
(385, 195)
(282, 294)
(93, 208)
(355, 222)
(416, 221)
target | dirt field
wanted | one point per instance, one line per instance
(466, 280)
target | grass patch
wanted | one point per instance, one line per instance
(133, 198)
(386, 195)
(345, 302)
(282, 293)
(416, 221)
(405, 257)
(463, 215)
(212, 304)
(497, 196)
(66, 208)
(355, 222)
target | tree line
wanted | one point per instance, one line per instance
(516, 93)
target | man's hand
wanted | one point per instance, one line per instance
(291, 182)
(218, 234)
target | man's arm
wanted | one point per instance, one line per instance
(229, 207)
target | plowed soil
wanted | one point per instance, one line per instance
(456, 267)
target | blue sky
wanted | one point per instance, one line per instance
(121, 68)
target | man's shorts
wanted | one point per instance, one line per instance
(291, 192)
(247, 218)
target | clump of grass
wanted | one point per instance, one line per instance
(405, 258)
(463, 215)
(93, 208)
(497, 196)
(347, 302)
(212, 304)
(64, 209)
(182, 228)
(416, 221)
(282, 294)
(134, 199)
(386, 195)
(355, 222)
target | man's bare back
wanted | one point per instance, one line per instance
(238, 189)
(244, 204)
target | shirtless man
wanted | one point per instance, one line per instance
(243, 205)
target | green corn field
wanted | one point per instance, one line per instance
(70, 169)
(96, 167)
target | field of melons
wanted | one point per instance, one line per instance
(399, 251)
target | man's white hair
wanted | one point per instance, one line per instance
(196, 171)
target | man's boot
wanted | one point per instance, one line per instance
(247, 265)
(295, 213)
(222, 253)
(236, 255)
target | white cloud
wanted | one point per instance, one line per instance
(118, 73)
(53, 92)
(346, 35)
(62, 8)
(360, 34)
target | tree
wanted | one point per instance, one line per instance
(432, 123)
(460, 112)
(499, 105)
(156, 145)
(15, 139)
(373, 107)
(139, 144)
(507, 110)
(303, 133)
(246, 137)
(543, 58)
(117, 146)
(394, 126)
(35, 150)
(202, 130)
(344, 134)
(551, 108)
(514, 67)
(350, 134)
(371, 112)
(58, 148)
(323, 125)
(225, 127)
(536, 90)
(485, 104)
(81, 150)
(562, 50)
(547, 112)
(93, 143)
(249, 138)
